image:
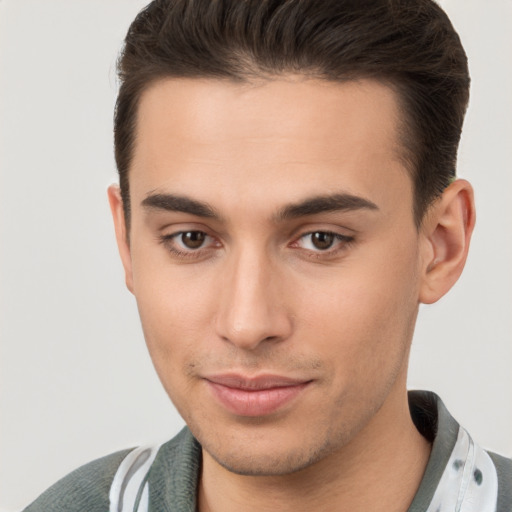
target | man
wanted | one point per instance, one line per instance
(287, 200)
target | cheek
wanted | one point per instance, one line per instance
(363, 320)
(174, 333)
(175, 313)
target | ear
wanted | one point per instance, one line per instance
(116, 207)
(447, 230)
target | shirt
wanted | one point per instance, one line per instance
(459, 476)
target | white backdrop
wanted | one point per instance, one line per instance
(76, 382)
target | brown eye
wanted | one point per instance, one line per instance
(193, 239)
(322, 240)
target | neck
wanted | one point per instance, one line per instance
(379, 470)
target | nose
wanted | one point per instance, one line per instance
(252, 308)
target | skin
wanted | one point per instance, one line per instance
(257, 296)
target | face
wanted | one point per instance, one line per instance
(275, 261)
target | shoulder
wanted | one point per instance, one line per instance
(86, 488)
(170, 470)
(503, 464)
(503, 467)
(459, 471)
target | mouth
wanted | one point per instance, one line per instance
(255, 396)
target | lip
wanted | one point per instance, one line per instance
(254, 396)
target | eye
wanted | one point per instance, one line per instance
(188, 243)
(191, 239)
(322, 241)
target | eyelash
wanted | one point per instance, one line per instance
(168, 242)
(341, 243)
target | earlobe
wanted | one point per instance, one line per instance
(447, 231)
(116, 207)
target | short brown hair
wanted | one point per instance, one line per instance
(409, 44)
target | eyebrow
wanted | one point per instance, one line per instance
(323, 204)
(176, 203)
(308, 207)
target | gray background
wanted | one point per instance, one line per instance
(76, 382)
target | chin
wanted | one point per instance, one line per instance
(266, 464)
(266, 455)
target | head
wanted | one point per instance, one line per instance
(285, 205)
(410, 46)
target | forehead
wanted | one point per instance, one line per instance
(290, 136)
